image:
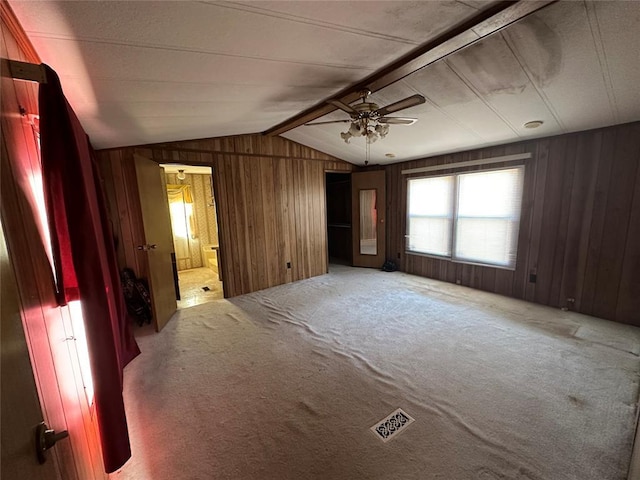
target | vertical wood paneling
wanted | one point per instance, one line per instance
(550, 219)
(270, 209)
(257, 238)
(564, 206)
(134, 214)
(273, 257)
(579, 231)
(118, 172)
(298, 253)
(614, 240)
(587, 155)
(629, 291)
(54, 364)
(110, 195)
(286, 219)
(597, 220)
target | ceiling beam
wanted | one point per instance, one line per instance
(485, 23)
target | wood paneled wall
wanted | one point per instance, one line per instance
(270, 200)
(121, 189)
(55, 363)
(580, 226)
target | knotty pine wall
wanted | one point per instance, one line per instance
(580, 227)
(270, 201)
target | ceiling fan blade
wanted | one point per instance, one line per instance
(397, 120)
(327, 122)
(411, 101)
(344, 107)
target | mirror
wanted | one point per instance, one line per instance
(368, 222)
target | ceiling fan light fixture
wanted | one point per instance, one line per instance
(382, 129)
(355, 129)
(368, 119)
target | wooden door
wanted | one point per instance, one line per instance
(368, 206)
(158, 243)
(21, 410)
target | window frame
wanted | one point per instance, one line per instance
(454, 224)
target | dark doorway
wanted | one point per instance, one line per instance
(339, 217)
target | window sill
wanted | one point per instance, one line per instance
(463, 262)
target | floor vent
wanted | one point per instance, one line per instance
(389, 427)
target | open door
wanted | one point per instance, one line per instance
(368, 217)
(158, 243)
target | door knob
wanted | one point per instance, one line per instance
(45, 439)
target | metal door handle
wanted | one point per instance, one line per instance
(146, 247)
(45, 439)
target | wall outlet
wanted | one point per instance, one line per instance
(288, 264)
(533, 277)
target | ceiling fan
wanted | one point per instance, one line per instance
(369, 120)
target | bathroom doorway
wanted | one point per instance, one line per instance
(194, 225)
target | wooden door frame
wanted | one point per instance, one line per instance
(216, 202)
(326, 212)
(371, 261)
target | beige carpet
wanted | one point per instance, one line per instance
(286, 383)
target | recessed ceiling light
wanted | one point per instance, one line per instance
(390, 155)
(533, 124)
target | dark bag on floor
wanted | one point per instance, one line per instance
(389, 266)
(136, 296)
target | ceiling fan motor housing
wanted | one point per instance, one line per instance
(365, 108)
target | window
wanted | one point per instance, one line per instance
(468, 217)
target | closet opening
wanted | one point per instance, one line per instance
(339, 236)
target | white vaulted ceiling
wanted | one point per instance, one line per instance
(147, 72)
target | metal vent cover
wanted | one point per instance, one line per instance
(390, 426)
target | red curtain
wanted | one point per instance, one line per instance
(85, 261)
